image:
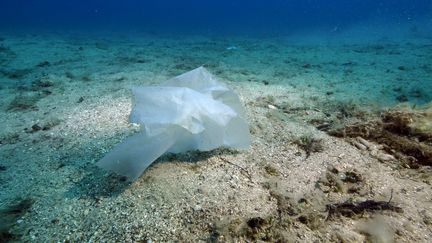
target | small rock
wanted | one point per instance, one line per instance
(81, 99)
(36, 128)
(197, 208)
(385, 157)
(324, 126)
(272, 107)
(364, 142)
(359, 145)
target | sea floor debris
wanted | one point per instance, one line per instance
(404, 132)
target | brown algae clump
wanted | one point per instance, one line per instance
(403, 131)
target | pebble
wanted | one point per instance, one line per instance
(197, 208)
(359, 145)
(272, 107)
(385, 157)
(365, 142)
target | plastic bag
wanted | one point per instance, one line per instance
(193, 111)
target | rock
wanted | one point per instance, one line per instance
(365, 143)
(36, 128)
(272, 107)
(359, 145)
(385, 157)
(197, 208)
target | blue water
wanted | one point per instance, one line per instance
(204, 17)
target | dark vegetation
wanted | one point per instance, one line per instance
(9, 216)
(355, 209)
(9, 138)
(30, 94)
(44, 126)
(15, 73)
(24, 102)
(310, 144)
(311, 211)
(405, 132)
(351, 182)
(43, 64)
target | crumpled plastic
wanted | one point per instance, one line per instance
(193, 111)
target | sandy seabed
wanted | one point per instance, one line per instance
(65, 101)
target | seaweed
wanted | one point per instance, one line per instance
(352, 209)
(310, 144)
(42, 83)
(23, 103)
(5, 236)
(16, 74)
(44, 126)
(9, 138)
(404, 132)
(401, 98)
(19, 208)
(330, 182)
(270, 170)
(10, 214)
(43, 64)
(311, 220)
(269, 228)
(284, 206)
(257, 222)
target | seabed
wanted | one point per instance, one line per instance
(65, 101)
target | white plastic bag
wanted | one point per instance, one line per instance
(191, 111)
